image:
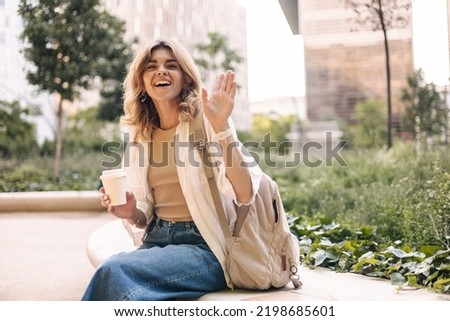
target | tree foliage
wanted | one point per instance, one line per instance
(383, 15)
(17, 135)
(216, 55)
(273, 128)
(69, 44)
(86, 133)
(426, 111)
(112, 69)
(370, 131)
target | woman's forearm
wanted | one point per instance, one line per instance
(236, 170)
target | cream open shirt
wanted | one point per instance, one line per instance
(194, 185)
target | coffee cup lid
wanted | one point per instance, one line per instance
(113, 172)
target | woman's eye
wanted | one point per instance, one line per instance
(172, 66)
(151, 67)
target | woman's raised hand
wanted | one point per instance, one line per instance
(219, 106)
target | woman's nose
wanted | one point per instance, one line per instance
(161, 71)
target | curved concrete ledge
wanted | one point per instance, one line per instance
(63, 201)
(319, 284)
(106, 240)
(112, 238)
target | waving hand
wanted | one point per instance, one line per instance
(219, 106)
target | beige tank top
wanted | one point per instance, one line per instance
(170, 203)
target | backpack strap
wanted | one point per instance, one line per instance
(199, 141)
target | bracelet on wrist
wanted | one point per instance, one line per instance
(224, 134)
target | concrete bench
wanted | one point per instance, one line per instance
(319, 284)
(112, 237)
(51, 201)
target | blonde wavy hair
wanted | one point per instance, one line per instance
(140, 115)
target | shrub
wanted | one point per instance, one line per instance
(17, 135)
(395, 191)
(81, 172)
(431, 215)
(325, 243)
(371, 128)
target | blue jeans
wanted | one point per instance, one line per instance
(174, 262)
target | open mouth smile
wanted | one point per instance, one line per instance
(163, 83)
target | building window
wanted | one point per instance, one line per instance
(2, 3)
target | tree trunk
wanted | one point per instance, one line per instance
(417, 136)
(58, 139)
(388, 85)
(446, 126)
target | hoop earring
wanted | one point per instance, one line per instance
(143, 97)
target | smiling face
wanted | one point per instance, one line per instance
(163, 77)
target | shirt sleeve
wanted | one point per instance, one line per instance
(134, 163)
(249, 161)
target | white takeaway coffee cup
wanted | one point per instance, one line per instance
(115, 184)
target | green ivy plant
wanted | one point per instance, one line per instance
(325, 243)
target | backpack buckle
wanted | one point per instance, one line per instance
(200, 144)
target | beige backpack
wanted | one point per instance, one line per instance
(262, 251)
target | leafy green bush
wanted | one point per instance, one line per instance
(273, 128)
(86, 133)
(81, 172)
(17, 135)
(432, 212)
(426, 111)
(393, 208)
(394, 191)
(370, 129)
(327, 244)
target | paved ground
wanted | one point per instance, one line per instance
(43, 258)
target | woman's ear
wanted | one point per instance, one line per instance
(187, 82)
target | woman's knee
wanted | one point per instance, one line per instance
(113, 264)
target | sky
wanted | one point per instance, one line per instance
(430, 40)
(275, 57)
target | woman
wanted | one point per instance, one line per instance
(183, 252)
